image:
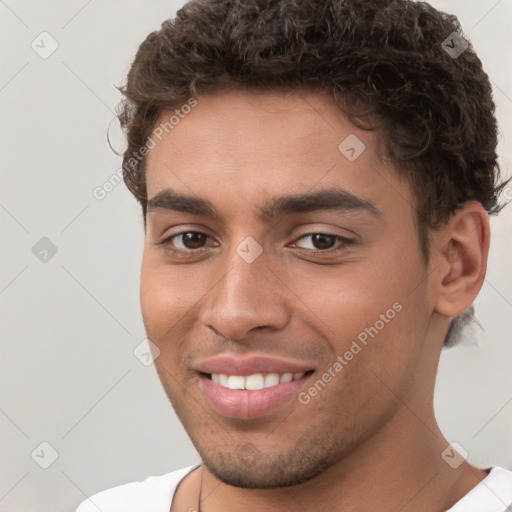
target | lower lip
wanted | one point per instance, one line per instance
(240, 403)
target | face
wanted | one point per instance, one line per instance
(282, 283)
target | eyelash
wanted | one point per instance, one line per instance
(345, 243)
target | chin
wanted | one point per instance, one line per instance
(246, 466)
(264, 477)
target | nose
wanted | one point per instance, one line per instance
(249, 296)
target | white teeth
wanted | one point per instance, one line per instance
(255, 381)
(223, 379)
(286, 377)
(236, 382)
(272, 379)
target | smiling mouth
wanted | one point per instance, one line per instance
(252, 395)
(255, 381)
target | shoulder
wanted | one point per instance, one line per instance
(155, 492)
(492, 494)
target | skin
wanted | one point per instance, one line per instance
(374, 422)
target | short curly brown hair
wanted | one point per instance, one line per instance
(384, 62)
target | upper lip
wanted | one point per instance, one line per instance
(249, 365)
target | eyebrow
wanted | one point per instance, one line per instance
(336, 199)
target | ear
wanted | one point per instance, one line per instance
(462, 248)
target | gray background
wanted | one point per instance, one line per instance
(70, 324)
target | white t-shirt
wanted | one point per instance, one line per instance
(492, 494)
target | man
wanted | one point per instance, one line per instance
(316, 180)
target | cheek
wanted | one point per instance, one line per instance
(349, 300)
(165, 299)
(369, 311)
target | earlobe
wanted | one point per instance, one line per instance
(463, 245)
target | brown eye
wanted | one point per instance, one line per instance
(322, 242)
(186, 241)
(192, 239)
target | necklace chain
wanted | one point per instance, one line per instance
(200, 489)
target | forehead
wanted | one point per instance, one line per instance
(253, 144)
